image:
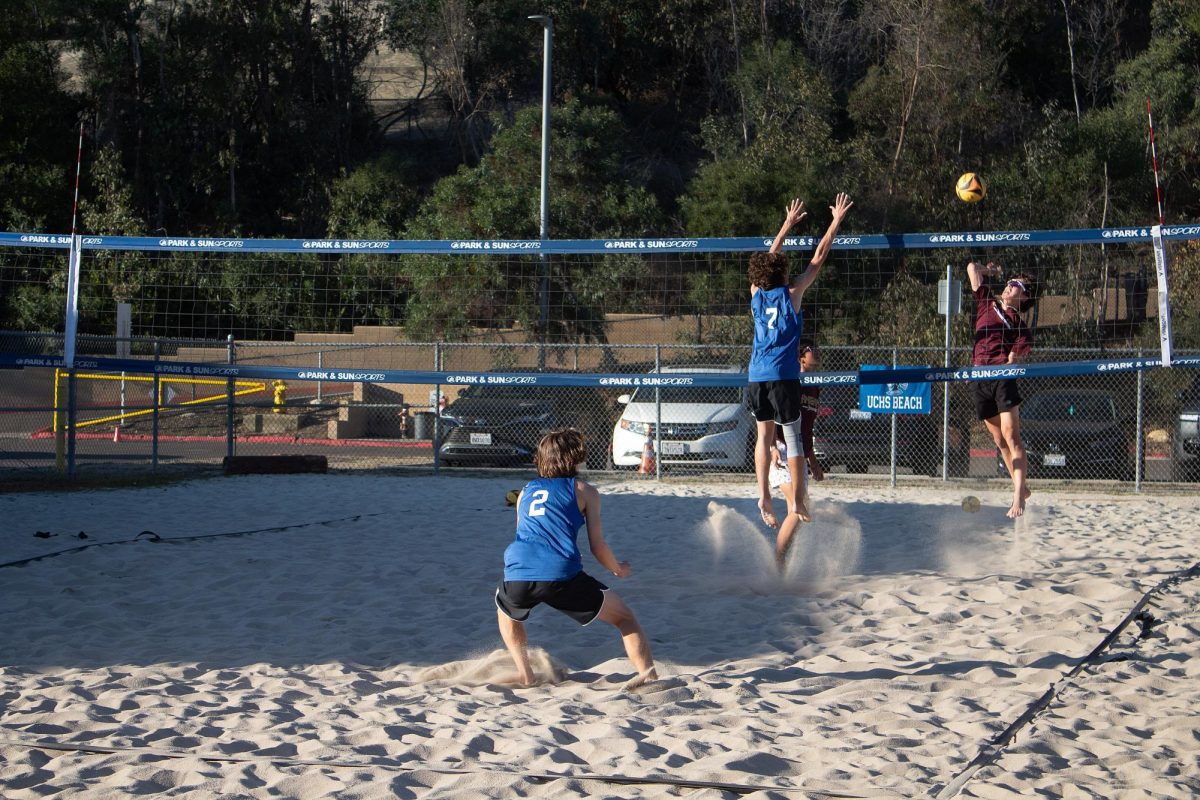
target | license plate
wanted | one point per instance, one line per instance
(1054, 460)
(481, 438)
(674, 448)
(857, 413)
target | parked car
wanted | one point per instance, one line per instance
(1186, 439)
(500, 425)
(1076, 433)
(702, 426)
(845, 434)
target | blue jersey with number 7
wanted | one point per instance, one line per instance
(777, 329)
(548, 522)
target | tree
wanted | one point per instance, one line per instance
(595, 194)
(784, 150)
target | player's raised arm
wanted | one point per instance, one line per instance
(792, 214)
(977, 272)
(840, 208)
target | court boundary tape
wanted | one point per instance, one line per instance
(151, 536)
(990, 753)
(375, 763)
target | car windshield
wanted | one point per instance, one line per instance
(721, 395)
(1064, 407)
(500, 391)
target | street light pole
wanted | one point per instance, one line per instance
(544, 225)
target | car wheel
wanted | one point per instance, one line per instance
(856, 467)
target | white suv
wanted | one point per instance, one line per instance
(701, 425)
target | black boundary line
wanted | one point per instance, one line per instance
(151, 536)
(991, 752)
(375, 763)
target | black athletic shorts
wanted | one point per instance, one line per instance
(775, 400)
(992, 397)
(580, 597)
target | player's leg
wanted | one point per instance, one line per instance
(513, 633)
(783, 540)
(788, 404)
(762, 470)
(1010, 432)
(637, 645)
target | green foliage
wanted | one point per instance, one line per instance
(38, 125)
(594, 194)
(778, 148)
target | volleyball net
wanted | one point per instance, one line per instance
(598, 330)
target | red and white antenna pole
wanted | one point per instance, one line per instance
(78, 162)
(1154, 162)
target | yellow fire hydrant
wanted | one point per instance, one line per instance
(280, 397)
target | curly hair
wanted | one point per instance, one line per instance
(768, 270)
(559, 454)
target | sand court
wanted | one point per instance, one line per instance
(351, 650)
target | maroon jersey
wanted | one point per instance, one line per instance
(998, 331)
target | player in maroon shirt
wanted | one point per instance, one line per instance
(1001, 337)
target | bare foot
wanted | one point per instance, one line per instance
(1017, 508)
(641, 679)
(767, 514)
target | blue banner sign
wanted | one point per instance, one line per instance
(1004, 371)
(914, 241)
(604, 380)
(875, 376)
(893, 398)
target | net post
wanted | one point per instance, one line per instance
(1164, 305)
(71, 421)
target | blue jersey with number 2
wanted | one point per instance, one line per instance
(777, 329)
(548, 521)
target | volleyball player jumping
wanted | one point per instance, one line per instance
(1001, 337)
(774, 363)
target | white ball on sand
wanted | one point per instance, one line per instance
(970, 504)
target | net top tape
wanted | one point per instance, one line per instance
(914, 241)
(167, 369)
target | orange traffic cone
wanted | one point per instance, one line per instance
(649, 465)
(117, 433)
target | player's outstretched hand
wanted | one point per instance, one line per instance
(794, 212)
(623, 569)
(841, 206)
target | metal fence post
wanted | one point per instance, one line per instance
(229, 405)
(1139, 450)
(437, 411)
(320, 367)
(895, 361)
(658, 416)
(946, 384)
(154, 414)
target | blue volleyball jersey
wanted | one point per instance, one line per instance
(777, 329)
(548, 522)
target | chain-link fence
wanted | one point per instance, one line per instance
(1122, 426)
